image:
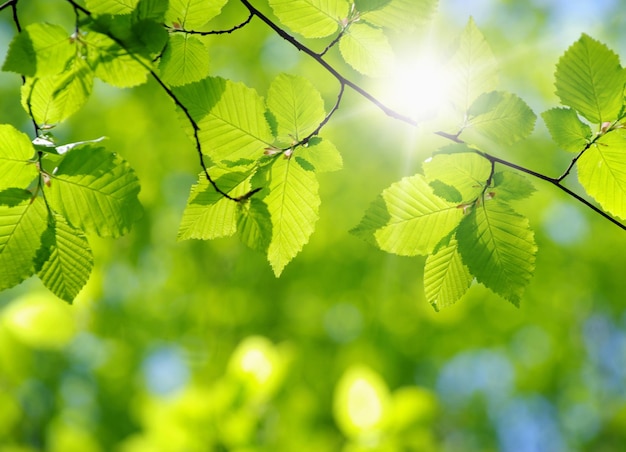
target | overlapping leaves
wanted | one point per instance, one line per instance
(46, 205)
(279, 158)
(590, 81)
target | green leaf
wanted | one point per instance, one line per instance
(231, 118)
(14, 196)
(602, 172)
(293, 203)
(472, 68)
(21, 228)
(53, 99)
(468, 173)
(113, 64)
(255, 225)
(208, 214)
(296, 105)
(150, 10)
(190, 14)
(96, 191)
(16, 153)
(502, 117)
(498, 247)
(111, 6)
(509, 186)
(366, 49)
(590, 79)
(69, 262)
(409, 219)
(566, 129)
(322, 154)
(446, 278)
(311, 18)
(185, 60)
(39, 50)
(397, 15)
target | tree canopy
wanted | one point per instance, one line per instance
(224, 225)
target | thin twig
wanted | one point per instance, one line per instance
(178, 103)
(212, 32)
(330, 69)
(333, 42)
(7, 4)
(317, 130)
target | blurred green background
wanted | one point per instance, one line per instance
(195, 346)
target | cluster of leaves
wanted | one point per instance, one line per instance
(264, 154)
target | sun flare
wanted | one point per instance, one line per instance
(418, 86)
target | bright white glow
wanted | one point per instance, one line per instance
(365, 408)
(255, 362)
(418, 86)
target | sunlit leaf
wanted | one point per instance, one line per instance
(566, 128)
(409, 219)
(498, 247)
(502, 117)
(231, 118)
(53, 99)
(510, 186)
(208, 214)
(446, 278)
(602, 171)
(468, 173)
(472, 68)
(40, 50)
(366, 49)
(184, 60)
(296, 105)
(16, 153)
(590, 79)
(111, 6)
(96, 191)
(293, 203)
(255, 225)
(397, 14)
(21, 228)
(322, 154)
(69, 261)
(114, 64)
(190, 14)
(311, 18)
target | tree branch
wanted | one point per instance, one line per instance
(331, 70)
(213, 32)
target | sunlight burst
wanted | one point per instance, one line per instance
(419, 86)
